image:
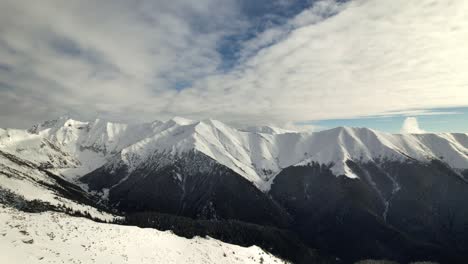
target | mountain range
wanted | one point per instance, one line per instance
(351, 193)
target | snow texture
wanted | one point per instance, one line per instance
(58, 238)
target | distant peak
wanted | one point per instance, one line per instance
(350, 129)
(58, 122)
(213, 122)
(73, 122)
(181, 120)
(340, 129)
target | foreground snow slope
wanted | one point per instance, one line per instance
(257, 154)
(58, 238)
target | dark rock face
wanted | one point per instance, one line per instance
(334, 213)
(465, 174)
(430, 204)
(192, 185)
(397, 210)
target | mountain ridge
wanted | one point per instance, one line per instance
(258, 156)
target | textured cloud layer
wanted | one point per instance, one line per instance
(123, 60)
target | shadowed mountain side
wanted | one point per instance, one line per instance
(427, 201)
(347, 217)
(192, 185)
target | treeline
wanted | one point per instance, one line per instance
(279, 242)
(18, 202)
(11, 199)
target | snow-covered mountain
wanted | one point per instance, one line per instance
(326, 187)
(257, 154)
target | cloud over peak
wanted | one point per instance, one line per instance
(411, 126)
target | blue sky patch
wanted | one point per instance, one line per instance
(435, 120)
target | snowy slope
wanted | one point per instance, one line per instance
(27, 180)
(58, 238)
(25, 159)
(35, 148)
(266, 130)
(257, 154)
(92, 143)
(343, 143)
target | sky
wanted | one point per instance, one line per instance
(435, 121)
(308, 64)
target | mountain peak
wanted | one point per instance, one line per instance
(58, 122)
(349, 129)
(256, 153)
(181, 121)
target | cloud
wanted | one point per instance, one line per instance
(371, 58)
(411, 126)
(315, 14)
(114, 58)
(122, 60)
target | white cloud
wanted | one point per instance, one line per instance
(373, 57)
(411, 126)
(113, 58)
